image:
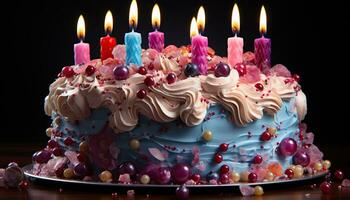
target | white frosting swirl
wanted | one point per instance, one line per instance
(188, 98)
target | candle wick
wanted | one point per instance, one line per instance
(235, 34)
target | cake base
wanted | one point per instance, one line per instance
(155, 188)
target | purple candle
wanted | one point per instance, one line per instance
(156, 38)
(199, 43)
(81, 50)
(262, 46)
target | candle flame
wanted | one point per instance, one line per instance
(156, 16)
(201, 19)
(108, 22)
(263, 23)
(133, 17)
(235, 23)
(194, 29)
(81, 27)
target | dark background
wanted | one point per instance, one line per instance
(41, 35)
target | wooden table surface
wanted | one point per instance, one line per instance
(21, 153)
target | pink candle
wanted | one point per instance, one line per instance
(199, 43)
(262, 50)
(156, 38)
(235, 44)
(262, 46)
(81, 53)
(200, 53)
(81, 50)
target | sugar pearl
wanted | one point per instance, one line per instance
(235, 176)
(292, 167)
(326, 164)
(68, 173)
(269, 176)
(298, 171)
(57, 121)
(258, 191)
(272, 130)
(318, 166)
(134, 144)
(145, 179)
(244, 176)
(49, 132)
(105, 176)
(207, 136)
(83, 147)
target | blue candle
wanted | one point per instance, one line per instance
(133, 48)
(133, 39)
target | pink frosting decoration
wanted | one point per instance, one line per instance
(280, 70)
(234, 50)
(200, 53)
(81, 53)
(246, 190)
(252, 76)
(262, 48)
(156, 40)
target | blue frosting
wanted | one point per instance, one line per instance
(178, 140)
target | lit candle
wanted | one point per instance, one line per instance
(81, 50)
(107, 43)
(133, 39)
(262, 45)
(235, 44)
(200, 44)
(156, 38)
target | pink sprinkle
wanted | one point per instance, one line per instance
(246, 190)
(124, 178)
(130, 193)
(345, 183)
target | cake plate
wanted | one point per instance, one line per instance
(52, 181)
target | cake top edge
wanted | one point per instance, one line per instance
(168, 86)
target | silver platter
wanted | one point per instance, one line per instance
(61, 182)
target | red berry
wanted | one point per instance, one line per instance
(68, 141)
(265, 136)
(142, 70)
(223, 147)
(90, 70)
(241, 69)
(196, 177)
(338, 175)
(57, 151)
(252, 177)
(224, 169)
(224, 178)
(257, 159)
(296, 77)
(171, 78)
(325, 187)
(52, 144)
(141, 93)
(81, 157)
(218, 158)
(59, 172)
(67, 71)
(289, 173)
(23, 185)
(259, 87)
(149, 81)
(151, 66)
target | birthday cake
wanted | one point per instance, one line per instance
(165, 123)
